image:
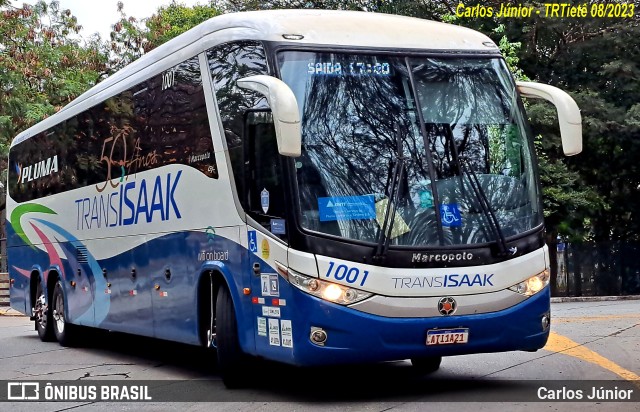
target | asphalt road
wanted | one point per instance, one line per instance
(592, 344)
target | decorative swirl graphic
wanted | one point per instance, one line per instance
(20, 211)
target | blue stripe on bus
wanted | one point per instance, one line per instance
(352, 336)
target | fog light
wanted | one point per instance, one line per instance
(318, 336)
(545, 322)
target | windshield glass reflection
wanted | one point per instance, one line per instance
(355, 108)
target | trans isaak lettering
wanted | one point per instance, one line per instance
(132, 203)
(453, 280)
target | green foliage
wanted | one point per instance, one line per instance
(510, 52)
(596, 61)
(175, 19)
(43, 65)
(131, 38)
(128, 41)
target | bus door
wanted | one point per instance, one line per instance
(267, 242)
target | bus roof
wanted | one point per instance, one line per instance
(320, 27)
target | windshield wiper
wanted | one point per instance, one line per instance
(384, 233)
(427, 145)
(464, 170)
(485, 206)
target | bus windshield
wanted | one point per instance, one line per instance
(453, 122)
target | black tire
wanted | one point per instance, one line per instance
(424, 366)
(232, 362)
(64, 331)
(42, 313)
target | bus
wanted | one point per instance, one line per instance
(308, 187)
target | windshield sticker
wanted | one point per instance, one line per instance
(426, 199)
(278, 227)
(346, 208)
(400, 227)
(264, 200)
(450, 214)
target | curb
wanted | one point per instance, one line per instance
(594, 298)
(6, 311)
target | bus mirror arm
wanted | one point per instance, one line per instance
(569, 116)
(284, 107)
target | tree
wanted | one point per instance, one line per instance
(128, 41)
(172, 20)
(596, 61)
(594, 195)
(43, 65)
(131, 38)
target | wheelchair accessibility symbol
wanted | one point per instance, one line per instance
(450, 215)
(253, 241)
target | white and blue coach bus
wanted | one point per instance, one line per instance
(310, 187)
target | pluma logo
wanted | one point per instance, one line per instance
(35, 171)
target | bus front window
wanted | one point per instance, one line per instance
(453, 122)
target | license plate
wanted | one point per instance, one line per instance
(447, 336)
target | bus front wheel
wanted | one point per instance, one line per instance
(231, 360)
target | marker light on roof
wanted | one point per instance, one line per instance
(293, 36)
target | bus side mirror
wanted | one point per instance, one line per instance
(568, 113)
(284, 106)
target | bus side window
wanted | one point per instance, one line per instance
(229, 62)
(263, 173)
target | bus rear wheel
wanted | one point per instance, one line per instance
(64, 331)
(42, 315)
(426, 365)
(232, 362)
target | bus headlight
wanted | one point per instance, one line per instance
(532, 285)
(332, 292)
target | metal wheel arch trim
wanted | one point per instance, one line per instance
(227, 280)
